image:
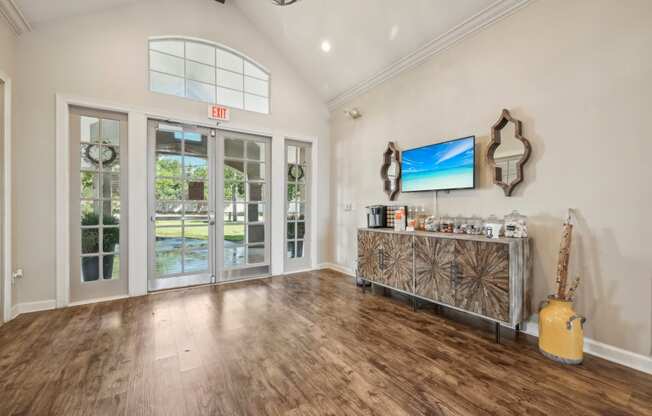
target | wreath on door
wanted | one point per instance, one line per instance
(296, 173)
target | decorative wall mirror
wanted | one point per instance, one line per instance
(390, 172)
(507, 153)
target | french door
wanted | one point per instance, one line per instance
(182, 210)
(244, 199)
(297, 205)
(209, 205)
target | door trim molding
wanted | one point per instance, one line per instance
(62, 187)
(62, 206)
(137, 171)
(7, 266)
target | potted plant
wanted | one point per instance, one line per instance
(90, 244)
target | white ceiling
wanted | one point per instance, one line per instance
(366, 36)
(371, 40)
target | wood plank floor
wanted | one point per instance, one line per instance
(306, 344)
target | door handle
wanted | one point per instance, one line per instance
(381, 259)
(454, 280)
(211, 218)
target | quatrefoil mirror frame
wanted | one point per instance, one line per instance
(390, 153)
(505, 118)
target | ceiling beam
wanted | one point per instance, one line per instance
(14, 17)
(484, 18)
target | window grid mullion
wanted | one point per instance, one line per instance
(100, 233)
(217, 99)
(185, 83)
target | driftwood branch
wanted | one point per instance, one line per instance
(571, 292)
(564, 257)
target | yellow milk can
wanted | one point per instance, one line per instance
(561, 333)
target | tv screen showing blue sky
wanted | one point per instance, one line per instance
(448, 165)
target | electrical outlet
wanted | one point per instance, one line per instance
(348, 207)
(18, 274)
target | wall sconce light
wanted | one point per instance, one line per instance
(354, 113)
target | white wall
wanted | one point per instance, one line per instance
(578, 74)
(104, 56)
(7, 48)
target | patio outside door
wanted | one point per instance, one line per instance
(244, 198)
(182, 206)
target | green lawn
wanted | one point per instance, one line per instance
(172, 229)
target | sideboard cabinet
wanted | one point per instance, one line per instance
(484, 277)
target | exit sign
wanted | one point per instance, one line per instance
(217, 112)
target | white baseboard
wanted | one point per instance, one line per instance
(27, 307)
(336, 267)
(291, 272)
(98, 300)
(608, 352)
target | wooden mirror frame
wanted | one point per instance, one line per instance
(506, 117)
(387, 160)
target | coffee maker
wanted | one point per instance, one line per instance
(376, 216)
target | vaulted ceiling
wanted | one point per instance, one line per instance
(366, 36)
(341, 47)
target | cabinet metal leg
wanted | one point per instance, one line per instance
(517, 330)
(414, 304)
(497, 329)
(364, 286)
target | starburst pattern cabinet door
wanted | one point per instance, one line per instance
(397, 261)
(433, 266)
(481, 278)
(368, 255)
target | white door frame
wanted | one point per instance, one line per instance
(138, 183)
(7, 269)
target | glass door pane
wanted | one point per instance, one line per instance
(245, 204)
(98, 144)
(182, 201)
(297, 155)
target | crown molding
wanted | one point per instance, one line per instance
(14, 16)
(484, 18)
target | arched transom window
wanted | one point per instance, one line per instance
(204, 71)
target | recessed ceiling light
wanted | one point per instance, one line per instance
(326, 46)
(393, 32)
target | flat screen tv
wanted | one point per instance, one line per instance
(440, 166)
